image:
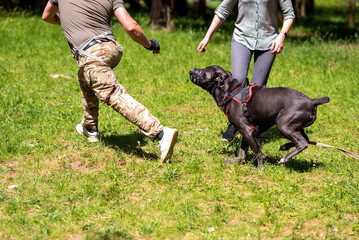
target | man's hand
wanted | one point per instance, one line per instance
(155, 46)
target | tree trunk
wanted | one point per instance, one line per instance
(202, 9)
(134, 5)
(303, 12)
(180, 7)
(169, 21)
(156, 7)
(351, 14)
(162, 14)
(303, 8)
(5, 4)
(27, 4)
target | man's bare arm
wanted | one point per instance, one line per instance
(51, 14)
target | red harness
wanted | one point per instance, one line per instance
(241, 101)
(244, 94)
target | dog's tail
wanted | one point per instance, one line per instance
(319, 101)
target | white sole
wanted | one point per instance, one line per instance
(170, 149)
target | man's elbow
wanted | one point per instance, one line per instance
(131, 28)
(51, 19)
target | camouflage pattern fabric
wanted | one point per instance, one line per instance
(99, 82)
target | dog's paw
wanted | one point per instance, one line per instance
(282, 161)
(233, 161)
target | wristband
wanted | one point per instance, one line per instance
(285, 34)
(154, 45)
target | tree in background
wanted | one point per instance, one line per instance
(6, 5)
(33, 5)
(303, 8)
(163, 12)
(202, 9)
(351, 14)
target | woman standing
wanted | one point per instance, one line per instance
(255, 33)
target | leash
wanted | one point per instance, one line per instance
(350, 154)
(340, 149)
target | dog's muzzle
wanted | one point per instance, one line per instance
(195, 75)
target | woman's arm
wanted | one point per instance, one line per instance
(216, 22)
(278, 43)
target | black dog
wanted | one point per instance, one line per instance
(261, 108)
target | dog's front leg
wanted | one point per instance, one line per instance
(252, 141)
(241, 157)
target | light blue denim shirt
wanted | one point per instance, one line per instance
(256, 26)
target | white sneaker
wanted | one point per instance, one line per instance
(167, 142)
(92, 136)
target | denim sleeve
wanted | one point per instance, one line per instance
(287, 9)
(225, 8)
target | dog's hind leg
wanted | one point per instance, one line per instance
(286, 146)
(290, 145)
(300, 143)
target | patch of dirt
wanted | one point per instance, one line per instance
(75, 236)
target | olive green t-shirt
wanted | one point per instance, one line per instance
(84, 19)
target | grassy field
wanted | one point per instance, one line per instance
(56, 185)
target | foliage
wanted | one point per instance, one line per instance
(56, 185)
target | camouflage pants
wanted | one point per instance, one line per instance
(98, 82)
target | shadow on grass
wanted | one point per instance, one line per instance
(300, 165)
(129, 144)
(297, 165)
(269, 136)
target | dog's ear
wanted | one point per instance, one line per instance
(229, 84)
(225, 83)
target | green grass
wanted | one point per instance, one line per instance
(56, 185)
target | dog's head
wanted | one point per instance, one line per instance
(217, 81)
(209, 78)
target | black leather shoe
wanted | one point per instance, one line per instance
(229, 134)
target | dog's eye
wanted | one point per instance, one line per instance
(217, 76)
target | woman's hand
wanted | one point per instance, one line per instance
(216, 22)
(202, 45)
(278, 43)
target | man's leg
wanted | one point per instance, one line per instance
(90, 106)
(107, 89)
